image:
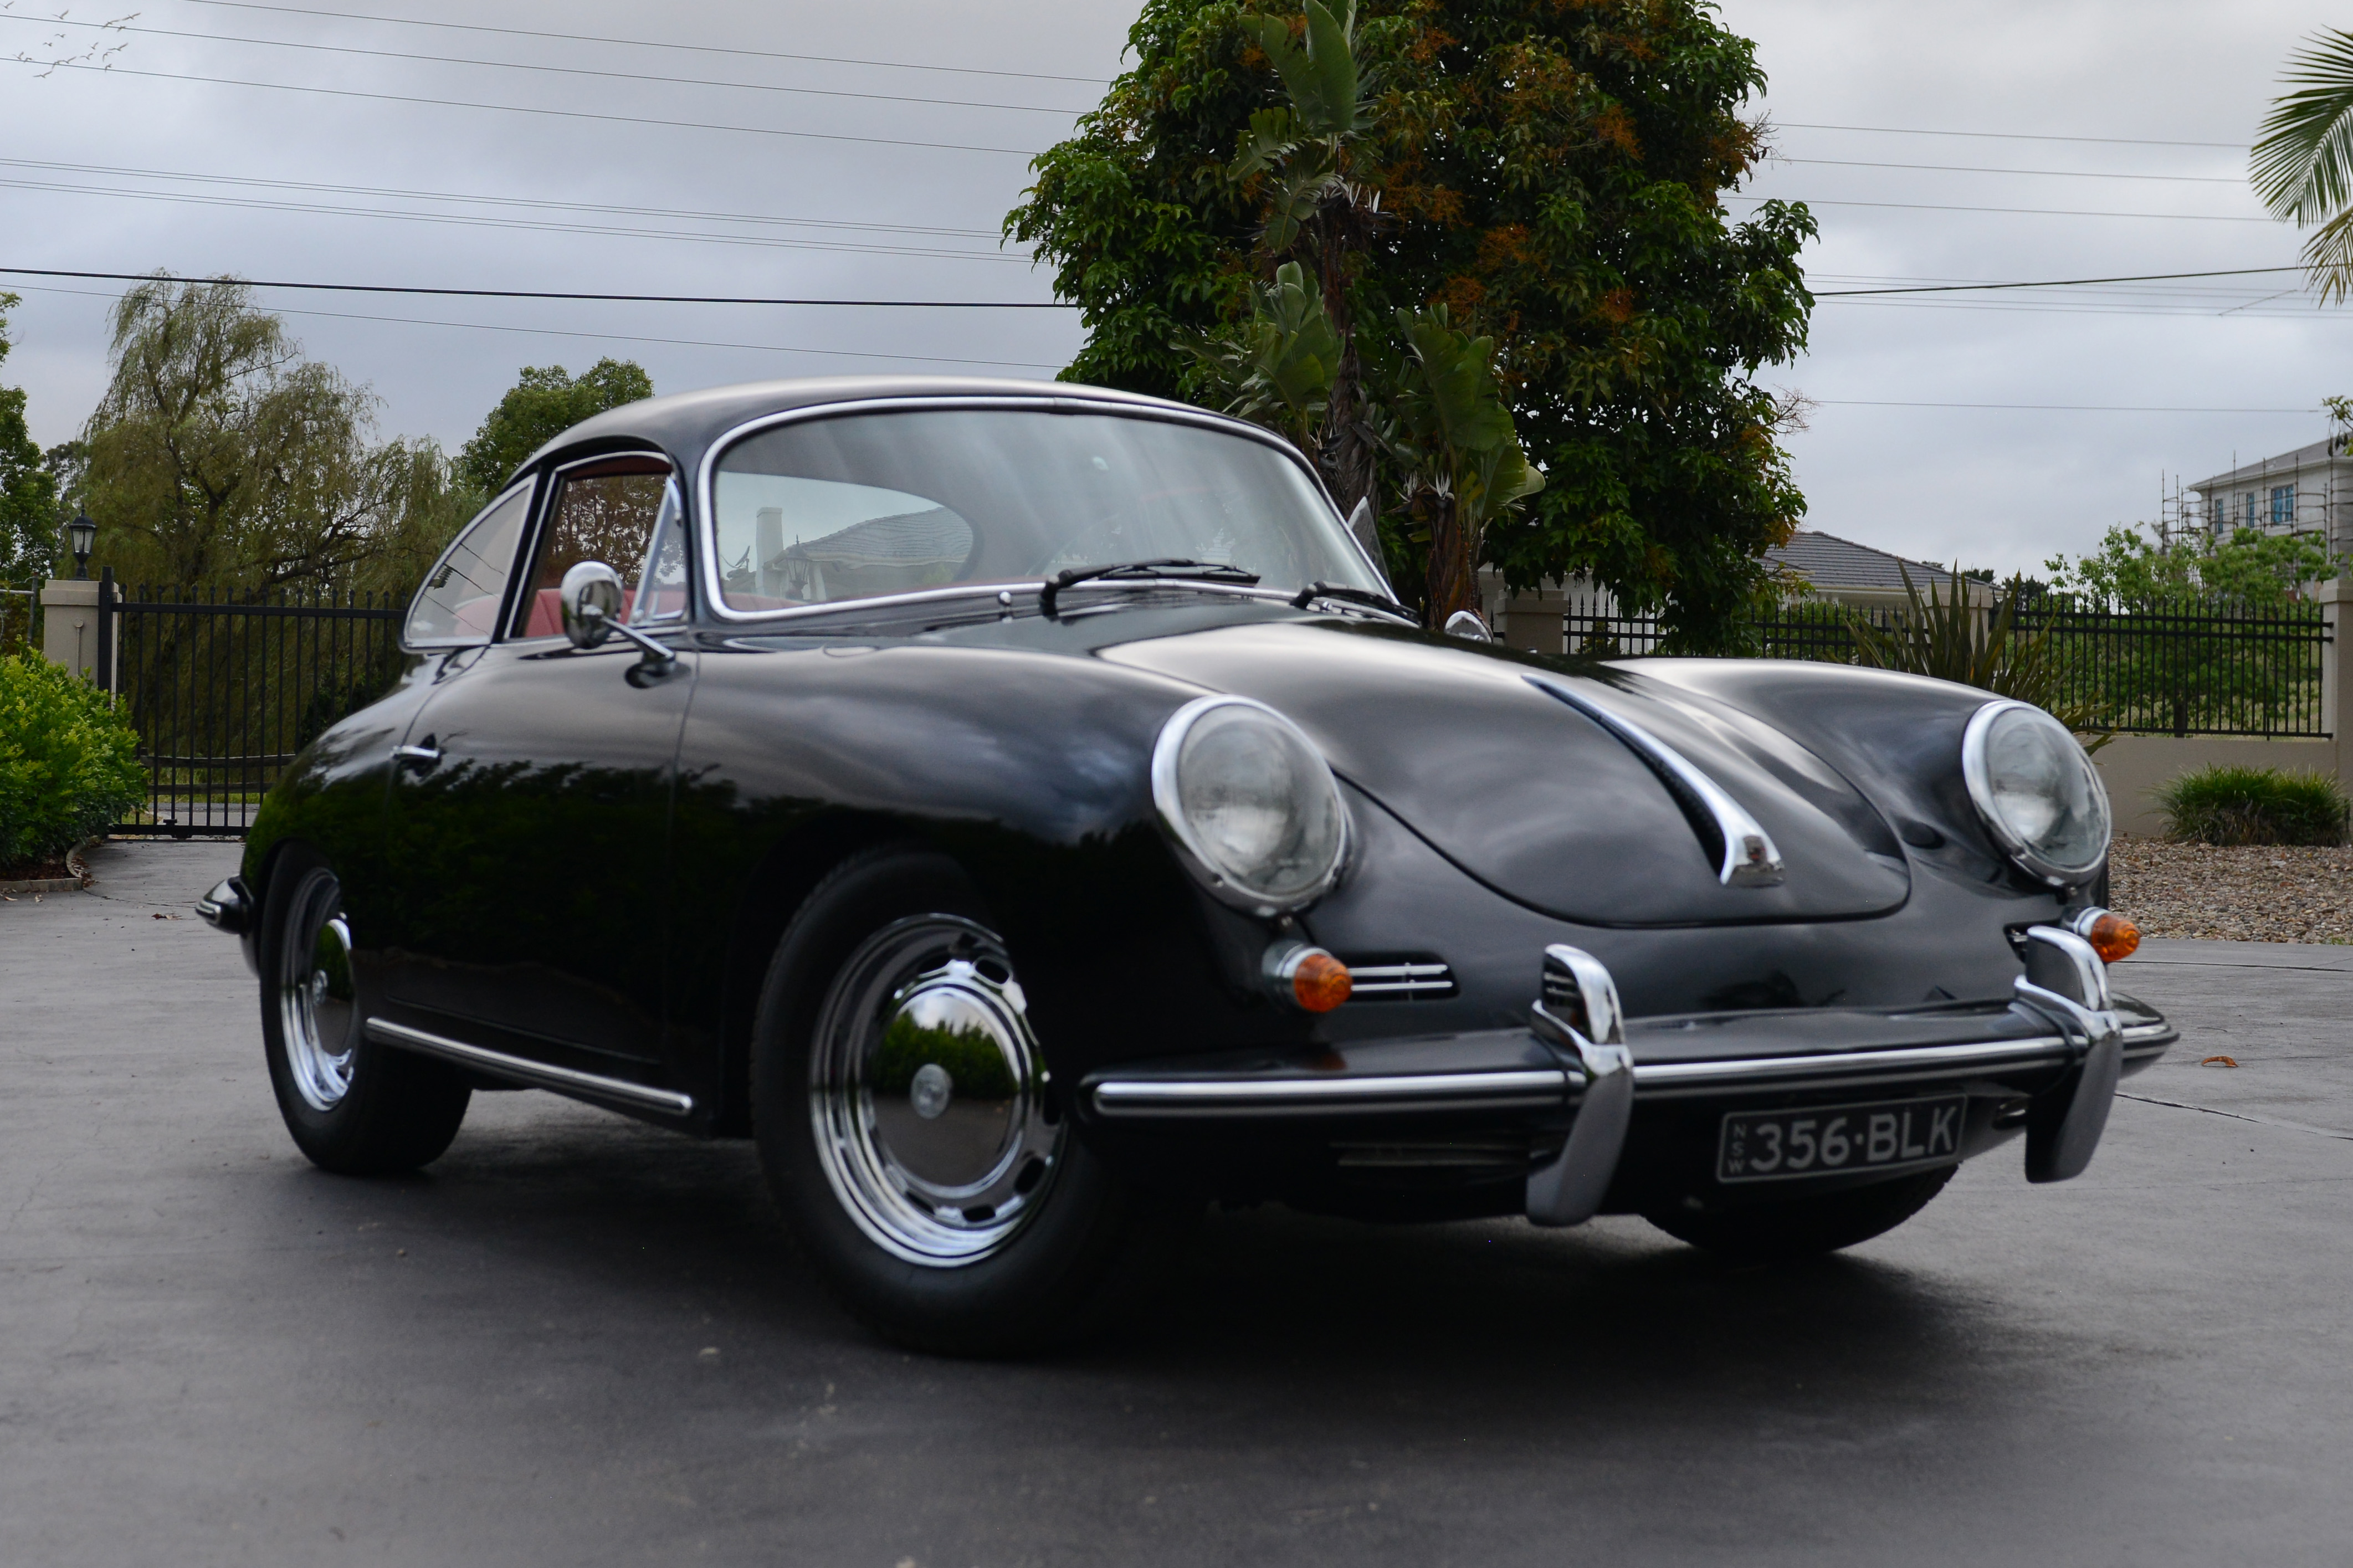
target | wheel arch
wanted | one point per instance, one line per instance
(773, 893)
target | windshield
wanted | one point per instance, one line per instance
(825, 509)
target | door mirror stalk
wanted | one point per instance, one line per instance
(590, 598)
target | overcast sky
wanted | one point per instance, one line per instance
(617, 184)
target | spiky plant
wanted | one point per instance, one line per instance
(1948, 637)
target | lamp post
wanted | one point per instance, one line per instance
(84, 533)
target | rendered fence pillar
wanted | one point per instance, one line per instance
(1532, 621)
(69, 625)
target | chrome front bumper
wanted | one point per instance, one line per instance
(2062, 1043)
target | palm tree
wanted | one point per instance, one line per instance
(2302, 165)
(1301, 151)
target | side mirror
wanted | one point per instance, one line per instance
(1464, 624)
(591, 599)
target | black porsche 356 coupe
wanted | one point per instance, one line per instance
(1024, 811)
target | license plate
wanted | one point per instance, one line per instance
(1775, 1145)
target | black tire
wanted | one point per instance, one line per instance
(352, 1105)
(1804, 1227)
(1083, 1242)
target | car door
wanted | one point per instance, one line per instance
(529, 819)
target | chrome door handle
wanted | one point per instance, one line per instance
(420, 757)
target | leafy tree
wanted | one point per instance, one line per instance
(2302, 162)
(28, 490)
(2247, 568)
(219, 456)
(543, 403)
(1551, 172)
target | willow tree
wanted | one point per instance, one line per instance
(1554, 172)
(220, 455)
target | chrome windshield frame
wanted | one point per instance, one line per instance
(704, 532)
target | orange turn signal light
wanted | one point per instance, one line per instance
(2113, 937)
(1321, 982)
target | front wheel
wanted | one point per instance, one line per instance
(1804, 1227)
(352, 1105)
(912, 1133)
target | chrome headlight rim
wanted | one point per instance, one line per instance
(1977, 775)
(1168, 806)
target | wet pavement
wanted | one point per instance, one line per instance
(577, 1340)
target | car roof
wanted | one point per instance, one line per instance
(685, 424)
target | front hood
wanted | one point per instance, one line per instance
(1535, 799)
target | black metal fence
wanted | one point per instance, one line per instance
(224, 691)
(2192, 668)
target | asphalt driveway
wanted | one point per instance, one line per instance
(580, 1341)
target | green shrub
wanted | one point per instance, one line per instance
(2253, 806)
(69, 762)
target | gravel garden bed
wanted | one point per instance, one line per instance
(2250, 893)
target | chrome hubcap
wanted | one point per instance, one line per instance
(317, 1008)
(928, 1094)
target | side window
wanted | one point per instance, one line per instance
(601, 512)
(459, 603)
(662, 585)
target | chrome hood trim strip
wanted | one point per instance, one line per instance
(1750, 858)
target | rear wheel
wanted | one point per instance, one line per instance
(1804, 1227)
(911, 1131)
(352, 1105)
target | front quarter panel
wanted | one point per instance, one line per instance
(332, 796)
(1032, 770)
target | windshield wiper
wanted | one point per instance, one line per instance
(1314, 591)
(1171, 566)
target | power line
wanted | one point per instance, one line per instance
(2044, 407)
(642, 42)
(533, 202)
(477, 220)
(2031, 212)
(548, 294)
(544, 69)
(2038, 174)
(2055, 282)
(609, 337)
(517, 109)
(1915, 131)
(2199, 311)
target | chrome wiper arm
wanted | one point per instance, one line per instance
(1165, 566)
(1322, 590)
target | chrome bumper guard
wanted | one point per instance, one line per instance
(1577, 1053)
(231, 907)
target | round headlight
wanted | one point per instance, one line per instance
(1251, 802)
(2039, 793)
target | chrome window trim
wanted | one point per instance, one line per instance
(1981, 788)
(551, 480)
(1169, 809)
(706, 530)
(541, 1075)
(435, 645)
